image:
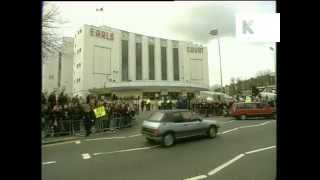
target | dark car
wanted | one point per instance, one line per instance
(253, 109)
(168, 126)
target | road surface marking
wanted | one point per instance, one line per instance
(227, 122)
(135, 135)
(105, 138)
(125, 150)
(197, 177)
(78, 142)
(86, 156)
(49, 162)
(55, 144)
(225, 165)
(261, 149)
(240, 127)
(230, 130)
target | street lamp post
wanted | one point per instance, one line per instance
(274, 50)
(214, 32)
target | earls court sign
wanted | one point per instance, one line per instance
(101, 34)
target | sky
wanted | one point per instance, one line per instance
(186, 21)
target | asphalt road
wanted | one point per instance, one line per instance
(243, 150)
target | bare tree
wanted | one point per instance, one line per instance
(51, 41)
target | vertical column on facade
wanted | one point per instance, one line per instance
(185, 61)
(145, 58)
(205, 65)
(132, 57)
(116, 59)
(181, 61)
(169, 60)
(157, 59)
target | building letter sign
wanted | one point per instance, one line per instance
(101, 34)
(194, 50)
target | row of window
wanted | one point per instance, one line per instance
(125, 68)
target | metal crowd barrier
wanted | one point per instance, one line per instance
(62, 128)
(76, 127)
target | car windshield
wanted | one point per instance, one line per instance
(157, 116)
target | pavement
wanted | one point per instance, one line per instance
(243, 150)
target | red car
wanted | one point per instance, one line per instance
(253, 109)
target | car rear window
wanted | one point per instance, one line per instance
(157, 116)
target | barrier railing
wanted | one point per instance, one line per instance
(66, 127)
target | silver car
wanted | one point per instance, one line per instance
(168, 126)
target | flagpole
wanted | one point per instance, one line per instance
(101, 18)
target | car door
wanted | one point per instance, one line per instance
(180, 127)
(192, 124)
(199, 126)
(251, 109)
(261, 109)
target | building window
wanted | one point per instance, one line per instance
(164, 63)
(151, 62)
(51, 76)
(138, 61)
(176, 64)
(125, 69)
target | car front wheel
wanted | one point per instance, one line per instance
(168, 140)
(212, 132)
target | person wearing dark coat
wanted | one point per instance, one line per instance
(62, 99)
(76, 116)
(87, 118)
(43, 99)
(52, 100)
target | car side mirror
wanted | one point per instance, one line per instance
(197, 119)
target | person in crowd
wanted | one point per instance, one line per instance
(76, 116)
(62, 99)
(55, 119)
(44, 119)
(43, 99)
(87, 118)
(52, 100)
(142, 105)
(148, 105)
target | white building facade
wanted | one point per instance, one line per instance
(109, 61)
(57, 69)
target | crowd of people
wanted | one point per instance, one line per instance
(62, 114)
(222, 107)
